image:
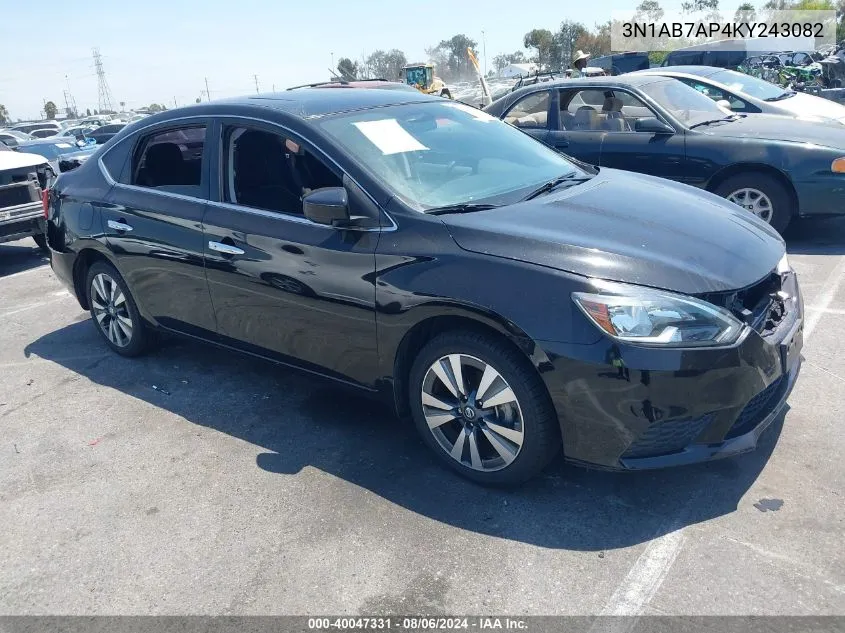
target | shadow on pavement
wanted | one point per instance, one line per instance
(299, 421)
(16, 257)
(816, 236)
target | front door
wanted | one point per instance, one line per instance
(152, 221)
(282, 285)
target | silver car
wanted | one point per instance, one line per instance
(750, 95)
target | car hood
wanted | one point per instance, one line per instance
(776, 128)
(631, 228)
(18, 160)
(801, 104)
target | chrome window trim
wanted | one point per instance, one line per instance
(234, 207)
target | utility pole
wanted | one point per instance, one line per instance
(207, 91)
(256, 83)
(274, 87)
(175, 105)
(484, 42)
(104, 97)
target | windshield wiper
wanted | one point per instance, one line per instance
(547, 187)
(782, 96)
(732, 117)
(468, 207)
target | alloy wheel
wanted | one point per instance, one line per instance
(111, 310)
(472, 412)
(755, 201)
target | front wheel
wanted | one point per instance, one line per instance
(481, 407)
(761, 195)
(114, 311)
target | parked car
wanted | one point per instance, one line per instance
(516, 300)
(12, 137)
(49, 148)
(731, 53)
(79, 132)
(46, 132)
(23, 178)
(37, 125)
(621, 63)
(775, 167)
(104, 133)
(750, 95)
(72, 160)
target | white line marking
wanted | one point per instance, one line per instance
(32, 306)
(26, 272)
(649, 571)
(831, 287)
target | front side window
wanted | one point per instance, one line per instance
(171, 161)
(441, 153)
(598, 109)
(686, 104)
(531, 111)
(267, 171)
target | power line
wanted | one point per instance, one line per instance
(104, 97)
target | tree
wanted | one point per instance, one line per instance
(50, 110)
(154, 107)
(542, 41)
(386, 65)
(198, 100)
(87, 111)
(700, 6)
(565, 40)
(596, 42)
(122, 105)
(745, 13)
(450, 57)
(347, 69)
(649, 9)
(502, 60)
(4, 115)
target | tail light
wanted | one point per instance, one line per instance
(45, 201)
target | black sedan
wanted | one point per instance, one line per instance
(418, 249)
(775, 167)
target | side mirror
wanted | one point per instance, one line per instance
(326, 206)
(653, 125)
(724, 103)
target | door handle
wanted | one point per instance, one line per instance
(226, 249)
(119, 226)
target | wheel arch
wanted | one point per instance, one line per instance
(84, 260)
(747, 168)
(428, 326)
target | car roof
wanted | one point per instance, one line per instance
(305, 103)
(628, 80)
(44, 141)
(698, 71)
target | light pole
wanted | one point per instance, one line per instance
(332, 54)
(484, 45)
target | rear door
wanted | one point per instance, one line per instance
(577, 130)
(153, 224)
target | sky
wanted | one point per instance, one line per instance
(163, 51)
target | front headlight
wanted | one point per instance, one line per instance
(653, 317)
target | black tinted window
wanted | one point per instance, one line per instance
(268, 171)
(724, 59)
(171, 161)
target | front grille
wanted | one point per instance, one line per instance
(757, 408)
(14, 195)
(662, 438)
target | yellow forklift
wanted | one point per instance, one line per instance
(421, 76)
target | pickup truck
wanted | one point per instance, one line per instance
(23, 179)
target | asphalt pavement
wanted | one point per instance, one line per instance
(199, 481)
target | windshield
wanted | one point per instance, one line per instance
(748, 84)
(686, 104)
(441, 154)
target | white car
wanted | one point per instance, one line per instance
(23, 177)
(749, 95)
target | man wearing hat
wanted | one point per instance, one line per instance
(579, 62)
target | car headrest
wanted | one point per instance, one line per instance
(612, 104)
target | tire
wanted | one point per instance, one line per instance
(41, 240)
(126, 343)
(528, 421)
(781, 203)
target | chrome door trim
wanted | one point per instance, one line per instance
(118, 226)
(226, 249)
